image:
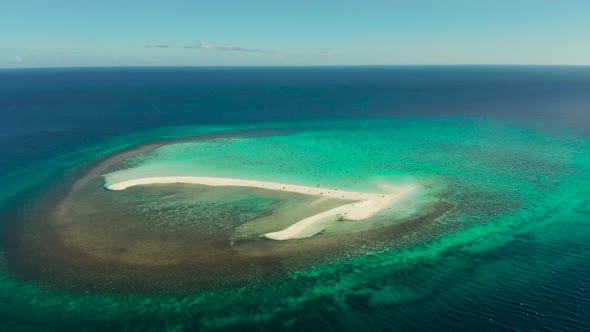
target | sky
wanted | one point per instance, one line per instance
(73, 33)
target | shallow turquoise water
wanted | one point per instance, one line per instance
(512, 251)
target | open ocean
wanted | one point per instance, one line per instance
(507, 147)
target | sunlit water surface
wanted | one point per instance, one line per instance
(508, 249)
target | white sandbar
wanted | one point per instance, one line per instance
(365, 205)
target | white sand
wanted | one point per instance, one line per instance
(365, 205)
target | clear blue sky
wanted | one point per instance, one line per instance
(37, 33)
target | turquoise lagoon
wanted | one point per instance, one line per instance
(499, 207)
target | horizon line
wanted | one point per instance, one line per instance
(296, 66)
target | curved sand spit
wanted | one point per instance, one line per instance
(365, 205)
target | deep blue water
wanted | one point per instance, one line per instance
(51, 112)
(47, 111)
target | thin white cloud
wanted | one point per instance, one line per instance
(210, 47)
(18, 59)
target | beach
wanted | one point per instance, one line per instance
(364, 205)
